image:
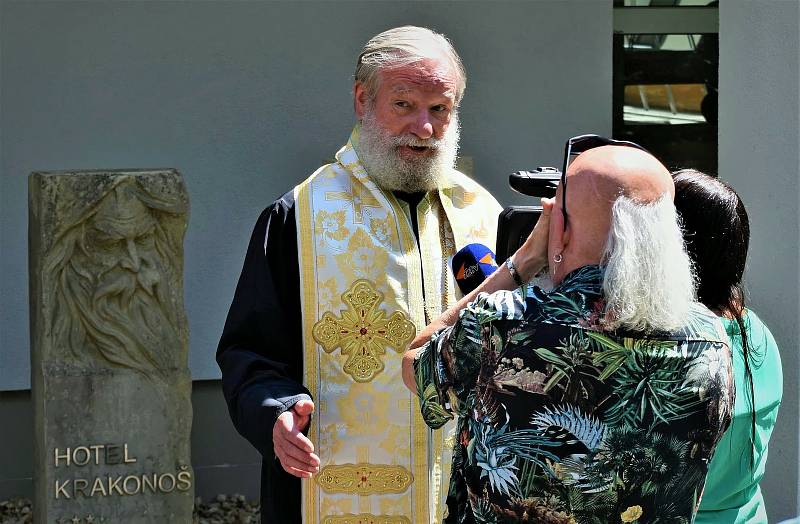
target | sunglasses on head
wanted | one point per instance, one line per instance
(580, 144)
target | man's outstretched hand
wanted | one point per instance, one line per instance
(292, 448)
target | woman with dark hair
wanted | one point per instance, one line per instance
(717, 234)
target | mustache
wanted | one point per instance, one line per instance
(414, 141)
(122, 282)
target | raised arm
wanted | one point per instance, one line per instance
(529, 260)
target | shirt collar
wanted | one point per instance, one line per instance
(348, 157)
(587, 280)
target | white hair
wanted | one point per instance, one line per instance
(648, 283)
(378, 150)
(403, 46)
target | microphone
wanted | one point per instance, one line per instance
(471, 265)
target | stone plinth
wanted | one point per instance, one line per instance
(109, 341)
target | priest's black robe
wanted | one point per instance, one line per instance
(260, 352)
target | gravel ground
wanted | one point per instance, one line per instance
(15, 511)
(224, 509)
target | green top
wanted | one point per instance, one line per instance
(732, 494)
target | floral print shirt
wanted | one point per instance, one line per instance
(562, 422)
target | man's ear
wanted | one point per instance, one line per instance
(566, 234)
(360, 99)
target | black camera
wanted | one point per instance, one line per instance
(516, 222)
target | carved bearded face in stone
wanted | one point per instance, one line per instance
(116, 278)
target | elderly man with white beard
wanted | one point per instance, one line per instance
(340, 274)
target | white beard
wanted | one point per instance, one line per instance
(378, 151)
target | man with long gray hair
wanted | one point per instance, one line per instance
(335, 286)
(601, 400)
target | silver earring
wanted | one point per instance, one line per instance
(558, 258)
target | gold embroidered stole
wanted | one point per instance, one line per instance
(362, 301)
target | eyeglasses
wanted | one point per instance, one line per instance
(580, 144)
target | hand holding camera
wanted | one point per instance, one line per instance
(516, 223)
(531, 257)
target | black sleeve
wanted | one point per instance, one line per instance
(260, 352)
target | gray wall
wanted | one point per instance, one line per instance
(758, 154)
(248, 98)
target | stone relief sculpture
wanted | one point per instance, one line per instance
(116, 265)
